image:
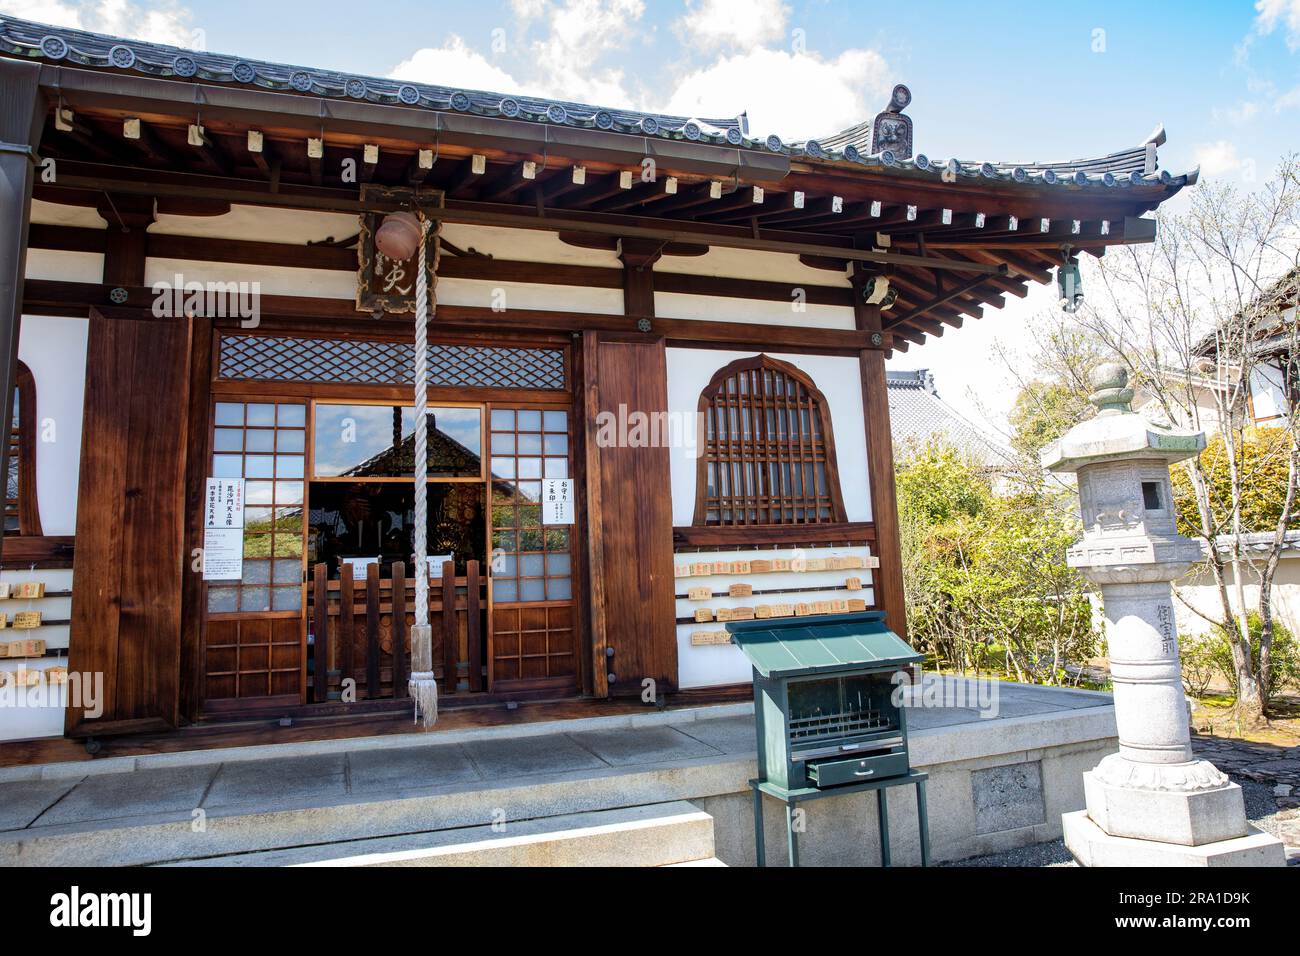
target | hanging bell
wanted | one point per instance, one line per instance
(398, 236)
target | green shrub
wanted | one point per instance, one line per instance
(1285, 656)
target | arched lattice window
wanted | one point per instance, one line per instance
(769, 455)
(21, 513)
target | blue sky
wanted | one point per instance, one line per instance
(990, 80)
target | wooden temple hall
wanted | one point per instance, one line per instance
(656, 367)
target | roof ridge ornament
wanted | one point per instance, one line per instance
(892, 131)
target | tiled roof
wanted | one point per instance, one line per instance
(60, 45)
(916, 413)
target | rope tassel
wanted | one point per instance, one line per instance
(423, 687)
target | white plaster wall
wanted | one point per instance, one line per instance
(55, 351)
(261, 224)
(273, 280)
(58, 214)
(747, 264)
(527, 245)
(680, 305)
(1201, 593)
(487, 294)
(65, 266)
(839, 380)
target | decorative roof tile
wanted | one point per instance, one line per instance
(23, 38)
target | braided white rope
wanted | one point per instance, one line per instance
(423, 686)
(422, 434)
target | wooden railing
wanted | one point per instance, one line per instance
(361, 630)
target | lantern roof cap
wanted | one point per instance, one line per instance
(1117, 432)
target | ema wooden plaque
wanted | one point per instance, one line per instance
(56, 675)
(802, 610)
(4, 590)
(703, 615)
(26, 648)
(740, 590)
(705, 638)
(735, 614)
(741, 567)
(853, 584)
(815, 564)
(701, 570)
(760, 567)
(699, 594)
(857, 604)
(782, 610)
(29, 590)
(27, 619)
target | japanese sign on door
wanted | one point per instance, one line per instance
(223, 529)
(557, 501)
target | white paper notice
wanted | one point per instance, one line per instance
(223, 529)
(557, 501)
(435, 562)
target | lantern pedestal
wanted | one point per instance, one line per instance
(1152, 803)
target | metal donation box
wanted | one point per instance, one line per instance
(827, 705)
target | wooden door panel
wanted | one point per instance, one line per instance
(633, 551)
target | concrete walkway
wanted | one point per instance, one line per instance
(363, 774)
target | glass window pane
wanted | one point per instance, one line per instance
(256, 572)
(227, 466)
(559, 589)
(557, 564)
(504, 541)
(530, 490)
(228, 439)
(530, 420)
(364, 440)
(257, 520)
(255, 599)
(286, 572)
(286, 599)
(556, 421)
(530, 444)
(503, 419)
(259, 466)
(288, 546)
(230, 413)
(530, 565)
(557, 539)
(256, 546)
(288, 492)
(503, 443)
(223, 599)
(259, 492)
(293, 415)
(260, 414)
(288, 466)
(530, 467)
(505, 590)
(290, 440)
(503, 467)
(260, 439)
(505, 566)
(532, 589)
(556, 445)
(557, 468)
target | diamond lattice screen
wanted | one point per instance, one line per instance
(262, 358)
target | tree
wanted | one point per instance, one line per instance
(1198, 316)
(985, 570)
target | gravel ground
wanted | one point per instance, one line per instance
(1261, 810)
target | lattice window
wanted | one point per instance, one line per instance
(265, 444)
(263, 358)
(769, 455)
(529, 562)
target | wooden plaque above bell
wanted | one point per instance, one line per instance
(388, 248)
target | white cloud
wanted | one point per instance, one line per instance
(732, 24)
(454, 64)
(578, 33)
(1218, 157)
(794, 96)
(160, 22)
(1269, 14)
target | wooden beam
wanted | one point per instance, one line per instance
(887, 579)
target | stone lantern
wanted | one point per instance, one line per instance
(1151, 803)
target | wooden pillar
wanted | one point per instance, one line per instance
(629, 516)
(22, 115)
(130, 564)
(888, 577)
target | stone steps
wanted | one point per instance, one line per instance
(664, 834)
